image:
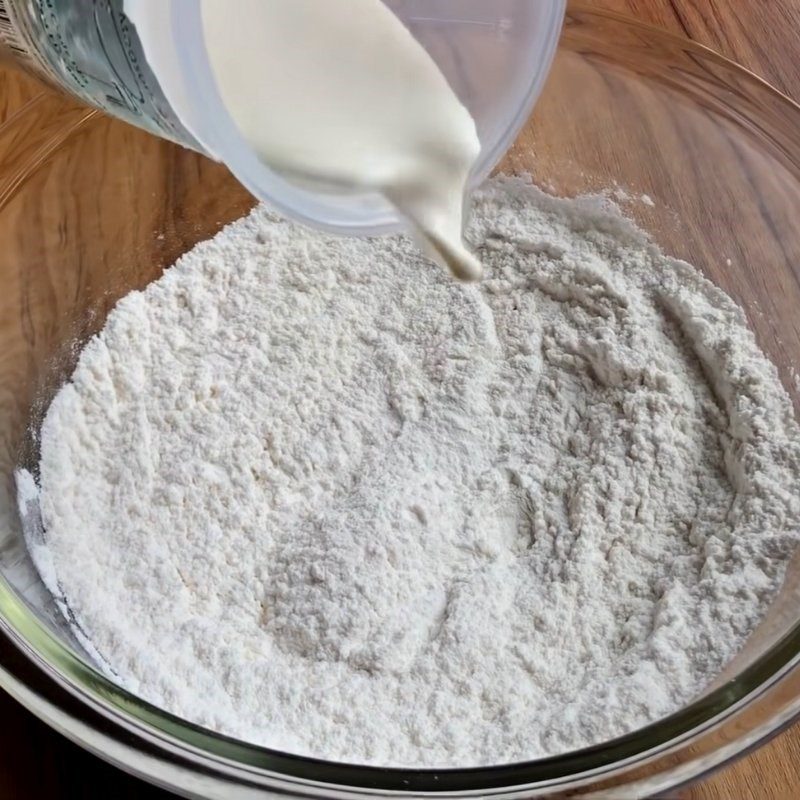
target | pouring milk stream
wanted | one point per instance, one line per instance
(349, 100)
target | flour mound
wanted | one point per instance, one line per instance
(310, 492)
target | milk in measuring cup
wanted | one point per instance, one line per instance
(355, 116)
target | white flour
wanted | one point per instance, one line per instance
(313, 493)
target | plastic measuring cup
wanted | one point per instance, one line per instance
(146, 62)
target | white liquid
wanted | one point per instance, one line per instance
(342, 95)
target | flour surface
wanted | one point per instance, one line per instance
(312, 493)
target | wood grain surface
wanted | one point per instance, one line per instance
(764, 35)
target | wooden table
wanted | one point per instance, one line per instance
(764, 35)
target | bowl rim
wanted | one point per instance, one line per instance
(120, 707)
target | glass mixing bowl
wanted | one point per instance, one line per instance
(91, 209)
